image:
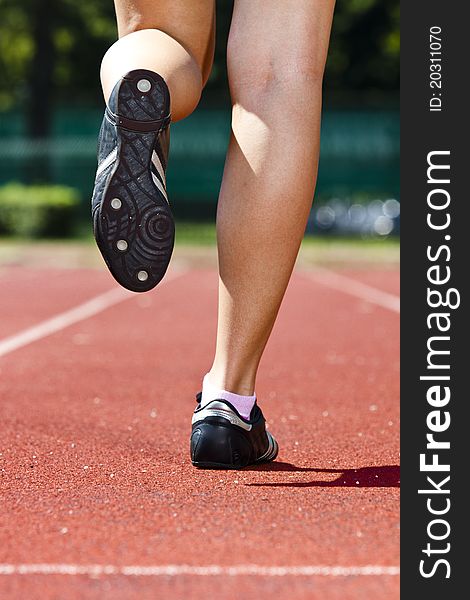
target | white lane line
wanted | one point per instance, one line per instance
(351, 286)
(70, 317)
(203, 570)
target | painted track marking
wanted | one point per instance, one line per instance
(351, 286)
(203, 570)
(74, 315)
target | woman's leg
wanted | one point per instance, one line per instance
(174, 38)
(276, 58)
(153, 74)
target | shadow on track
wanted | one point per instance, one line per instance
(368, 477)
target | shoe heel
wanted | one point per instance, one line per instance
(215, 446)
(141, 101)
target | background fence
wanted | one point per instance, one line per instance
(359, 156)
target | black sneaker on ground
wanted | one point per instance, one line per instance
(132, 220)
(222, 439)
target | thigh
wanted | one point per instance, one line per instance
(289, 35)
(189, 22)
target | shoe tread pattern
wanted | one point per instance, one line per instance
(144, 219)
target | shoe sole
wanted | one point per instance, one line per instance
(133, 223)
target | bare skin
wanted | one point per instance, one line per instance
(276, 58)
(174, 38)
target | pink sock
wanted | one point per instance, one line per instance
(243, 404)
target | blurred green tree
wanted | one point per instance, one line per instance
(364, 52)
(50, 52)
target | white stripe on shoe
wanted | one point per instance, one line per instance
(271, 451)
(219, 409)
(159, 185)
(106, 162)
(159, 167)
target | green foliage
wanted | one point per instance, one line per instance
(37, 211)
(16, 52)
(364, 51)
(80, 32)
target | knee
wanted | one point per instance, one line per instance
(287, 82)
(255, 76)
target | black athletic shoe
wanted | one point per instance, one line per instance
(132, 221)
(222, 439)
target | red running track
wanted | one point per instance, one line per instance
(94, 447)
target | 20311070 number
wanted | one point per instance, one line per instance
(435, 68)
